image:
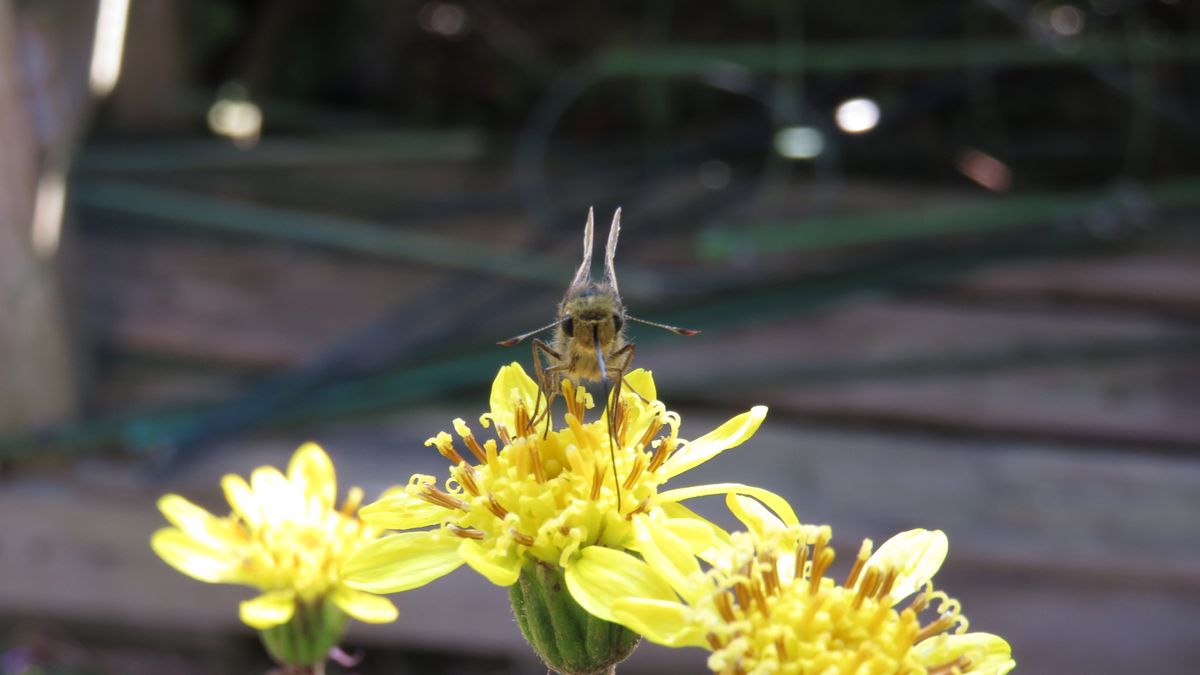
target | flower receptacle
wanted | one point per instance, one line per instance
(566, 637)
(305, 639)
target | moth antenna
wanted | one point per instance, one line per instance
(610, 251)
(517, 340)
(686, 332)
(584, 273)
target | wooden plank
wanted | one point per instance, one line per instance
(1162, 279)
(248, 305)
(1054, 549)
(1138, 405)
(850, 365)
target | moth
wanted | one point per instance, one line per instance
(589, 343)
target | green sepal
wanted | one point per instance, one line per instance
(306, 639)
(567, 638)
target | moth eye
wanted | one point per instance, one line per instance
(618, 321)
(568, 326)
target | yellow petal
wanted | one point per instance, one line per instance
(669, 555)
(773, 501)
(705, 538)
(916, 555)
(502, 571)
(989, 654)
(660, 621)
(311, 473)
(601, 575)
(756, 517)
(195, 559)
(241, 499)
(279, 501)
(729, 435)
(641, 381)
(365, 607)
(269, 609)
(401, 562)
(198, 523)
(398, 510)
(512, 382)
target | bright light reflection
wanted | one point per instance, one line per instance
(858, 115)
(985, 170)
(1067, 20)
(238, 120)
(799, 142)
(48, 213)
(444, 18)
(108, 46)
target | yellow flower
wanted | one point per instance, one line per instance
(764, 605)
(542, 494)
(284, 537)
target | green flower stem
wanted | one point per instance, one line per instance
(304, 642)
(567, 638)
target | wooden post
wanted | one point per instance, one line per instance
(36, 375)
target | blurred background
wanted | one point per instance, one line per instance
(953, 245)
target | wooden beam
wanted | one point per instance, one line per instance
(36, 380)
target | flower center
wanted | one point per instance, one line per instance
(765, 619)
(548, 492)
(305, 553)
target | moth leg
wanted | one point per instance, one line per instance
(550, 397)
(624, 356)
(543, 375)
(618, 365)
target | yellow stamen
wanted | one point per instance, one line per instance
(936, 627)
(666, 447)
(960, 665)
(445, 447)
(888, 582)
(867, 588)
(651, 431)
(521, 537)
(521, 419)
(439, 498)
(495, 507)
(469, 438)
(464, 532)
(724, 602)
(535, 459)
(598, 473)
(864, 552)
(821, 562)
(639, 465)
(354, 497)
(801, 561)
(466, 477)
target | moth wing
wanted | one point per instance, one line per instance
(584, 273)
(610, 252)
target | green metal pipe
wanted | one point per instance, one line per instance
(893, 56)
(177, 208)
(971, 217)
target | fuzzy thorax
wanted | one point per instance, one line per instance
(589, 316)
